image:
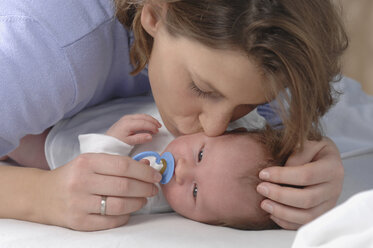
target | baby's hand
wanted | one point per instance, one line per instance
(135, 129)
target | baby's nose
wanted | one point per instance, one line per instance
(183, 171)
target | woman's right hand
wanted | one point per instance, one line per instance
(72, 193)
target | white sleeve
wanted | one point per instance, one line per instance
(101, 143)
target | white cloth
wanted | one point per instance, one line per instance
(349, 225)
(101, 143)
(62, 144)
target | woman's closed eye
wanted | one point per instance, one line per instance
(202, 93)
(198, 91)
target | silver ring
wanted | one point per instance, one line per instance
(103, 205)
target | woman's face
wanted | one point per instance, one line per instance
(197, 88)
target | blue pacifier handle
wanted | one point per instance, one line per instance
(167, 156)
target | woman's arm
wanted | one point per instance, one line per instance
(30, 152)
(19, 190)
(317, 174)
(70, 195)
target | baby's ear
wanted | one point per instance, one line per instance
(151, 17)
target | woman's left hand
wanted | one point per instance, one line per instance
(314, 177)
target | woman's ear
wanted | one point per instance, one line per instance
(150, 19)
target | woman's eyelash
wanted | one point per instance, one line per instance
(198, 91)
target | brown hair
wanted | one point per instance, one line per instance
(297, 45)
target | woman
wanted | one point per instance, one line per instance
(209, 63)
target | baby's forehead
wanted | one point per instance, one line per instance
(237, 157)
(242, 149)
(236, 195)
(241, 138)
(240, 160)
(235, 176)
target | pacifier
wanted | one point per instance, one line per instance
(165, 164)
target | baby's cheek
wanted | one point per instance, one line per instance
(166, 190)
(173, 197)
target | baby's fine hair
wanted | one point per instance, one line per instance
(249, 180)
(296, 44)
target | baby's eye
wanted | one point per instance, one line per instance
(200, 155)
(195, 191)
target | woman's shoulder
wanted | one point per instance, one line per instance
(60, 18)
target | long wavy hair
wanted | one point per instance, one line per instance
(297, 45)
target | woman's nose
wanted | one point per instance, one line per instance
(183, 171)
(215, 123)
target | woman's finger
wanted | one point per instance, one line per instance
(120, 166)
(285, 224)
(95, 222)
(310, 149)
(309, 174)
(116, 205)
(305, 198)
(120, 186)
(294, 215)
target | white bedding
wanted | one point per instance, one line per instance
(353, 135)
(348, 225)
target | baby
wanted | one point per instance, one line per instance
(214, 180)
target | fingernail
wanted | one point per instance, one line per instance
(148, 137)
(157, 177)
(264, 175)
(267, 207)
(263, 190)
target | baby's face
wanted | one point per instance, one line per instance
(207, 185)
